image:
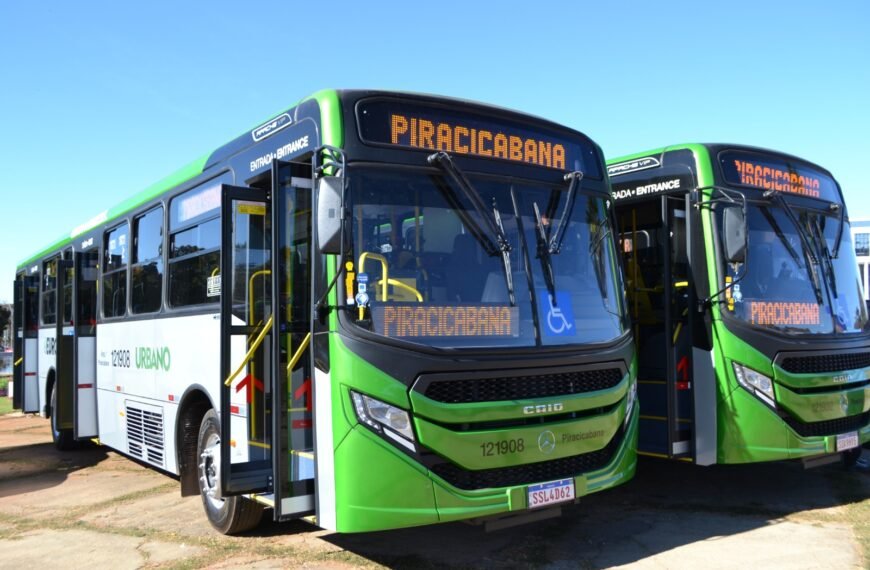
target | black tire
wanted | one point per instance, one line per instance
(63, 438)
(851, 457)
(231, 515)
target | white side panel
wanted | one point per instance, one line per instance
(154, 361)
(86, 388)
(324, 484)
(704, 382)
(47, 359)
(31, 382)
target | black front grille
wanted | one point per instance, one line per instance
(530, 473)
(821, 363)
(466, 391)
(828, 427)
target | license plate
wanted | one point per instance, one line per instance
(544, 494)
(847, 441)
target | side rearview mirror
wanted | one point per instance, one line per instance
(734, 234)
(329, 190)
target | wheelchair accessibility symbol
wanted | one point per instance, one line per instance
(556, 320)
(559, 315)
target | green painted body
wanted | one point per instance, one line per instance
(748, 430)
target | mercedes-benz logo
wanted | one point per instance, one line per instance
(844, 403)
(547, 441)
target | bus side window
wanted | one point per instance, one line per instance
(115, 257)
(194, 245)
(146, 275)
(49, 296)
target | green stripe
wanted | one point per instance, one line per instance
(332, 134)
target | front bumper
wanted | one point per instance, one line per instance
(378, 487)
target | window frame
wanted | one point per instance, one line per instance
(161, 257)
(104, 252)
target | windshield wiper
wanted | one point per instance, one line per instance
(555, 244)
(807, 246)
(781, 235)
(825, 254)
(544, 253)
(493, 222)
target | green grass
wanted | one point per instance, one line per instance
(5, 403)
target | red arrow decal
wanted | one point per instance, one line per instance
(246, 383)
(683, 370)
(304, 391)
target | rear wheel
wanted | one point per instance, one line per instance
(231, 515)
(63, 438)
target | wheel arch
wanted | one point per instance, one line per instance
(50, 377)
(194, 404)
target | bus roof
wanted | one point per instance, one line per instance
(711, 146)
(183, 174)
(329, 103)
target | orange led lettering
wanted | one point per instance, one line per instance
(781, 313)
(427, 131)
(399, 126)
(434, 321)
(444, 137)
(558, 156)
(531, 151)
(516, 148)
(499, 146)
(481, 137)
(460, 147)
(768, 177)
(427, 134)
(546, 153)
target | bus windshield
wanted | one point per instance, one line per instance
(798, 284)
(429, 270)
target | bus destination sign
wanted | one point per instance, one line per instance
(419, 126)
(775, 173)
(409, 321)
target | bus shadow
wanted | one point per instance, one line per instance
(37, 466)
(667, 506)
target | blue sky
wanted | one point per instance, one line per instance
(100, 99)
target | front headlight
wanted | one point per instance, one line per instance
(384, 419)
(631, 398)
(756, 382)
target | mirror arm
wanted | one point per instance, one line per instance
(331, 161)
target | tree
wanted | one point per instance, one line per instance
(5, 318)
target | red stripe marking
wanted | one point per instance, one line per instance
(234, 409)
(30, 373)
(85, 386)
(171, 398)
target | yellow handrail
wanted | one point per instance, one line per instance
(298, 354)
(19, 361)
(254, 346)
(383, 260)
(399, 284)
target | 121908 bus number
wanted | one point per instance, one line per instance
(121, 358)
(490, 448)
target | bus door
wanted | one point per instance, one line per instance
(84, 295)
(17, 341)
(65, 343)
(265, 435)
(655, 248)
(29, 385)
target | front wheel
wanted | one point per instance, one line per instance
(63, 438)
(231, 515)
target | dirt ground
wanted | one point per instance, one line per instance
(94, 508)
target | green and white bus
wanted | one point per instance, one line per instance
(752, 332)
(374, 310)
